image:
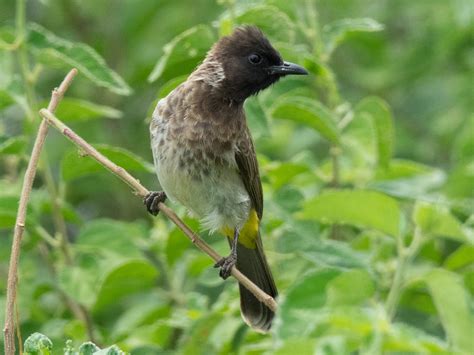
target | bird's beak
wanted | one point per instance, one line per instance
(287, 68)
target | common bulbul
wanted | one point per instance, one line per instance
(205, 157)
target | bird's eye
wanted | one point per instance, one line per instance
(255, 58)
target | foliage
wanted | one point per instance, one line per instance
(39, 344)
(367, 168)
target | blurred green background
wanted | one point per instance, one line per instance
(368, 202)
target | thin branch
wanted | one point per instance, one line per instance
(21, 216)
(405, 257)
(140, 190)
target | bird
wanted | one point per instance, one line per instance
(205, 157)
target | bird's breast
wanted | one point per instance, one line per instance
(200, 172)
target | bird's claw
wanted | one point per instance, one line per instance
(225, 265)
(152, 200)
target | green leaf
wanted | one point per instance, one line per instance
(273, 22)
(404, 169)
(309, 113)
(149, 307)
(5, 99)
(289, 198)
(16, 90)
(13, 145)
(256, 118)
(331, 253)
(183, 53)
(8, 211)
(300, 346)
(73, 110)
(405, 339)
(77, 55)
(381, 116)
(283, 173)
(111, 350)
(169, 86)
(88, 348)
(120, 237)
(296, 317)
(361, 208)
(408, 179)
(453, 306)
(336, 32)
(125, 279)
(292, 86)
(7, 37)
(176, 245)
(74, 166)
(193, 343)
(436, 220)
(79, 283)
(350, 288)
(461, 258)
(38, 344)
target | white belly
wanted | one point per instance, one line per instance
(219, 199)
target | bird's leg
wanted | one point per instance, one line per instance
(229, 261)
(152, 200)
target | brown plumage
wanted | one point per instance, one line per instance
(205, 157)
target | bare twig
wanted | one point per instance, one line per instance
(140, 190)
(21, 216)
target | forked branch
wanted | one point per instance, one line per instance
(9, 328)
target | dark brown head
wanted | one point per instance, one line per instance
(243, 63)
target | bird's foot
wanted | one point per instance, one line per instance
(226, 265)
(152, 200)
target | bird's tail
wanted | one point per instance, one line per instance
(253, 264)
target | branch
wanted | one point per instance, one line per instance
(140, 190)
(30, 173)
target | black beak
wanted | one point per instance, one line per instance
(287, 68)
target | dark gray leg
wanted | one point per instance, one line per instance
(152, 200)
(229, 261)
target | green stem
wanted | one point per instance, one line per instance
(335, 152)
(332, 98)
(375, 345)
(405, 257)
(20, 18)
(332, 95)
(48, 238)
(58, 219)
(23, 58)
(313, 31)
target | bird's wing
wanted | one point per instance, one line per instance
(248, 168)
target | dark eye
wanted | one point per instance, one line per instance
(255, 58)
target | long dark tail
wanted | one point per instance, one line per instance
(253, 264)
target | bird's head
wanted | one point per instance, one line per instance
(243, 63)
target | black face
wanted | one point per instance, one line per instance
(250, 63)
